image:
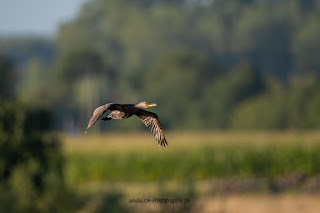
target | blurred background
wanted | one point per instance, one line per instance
(238, 94)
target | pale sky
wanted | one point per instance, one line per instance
(35, 17)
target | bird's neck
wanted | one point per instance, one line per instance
(140, 106)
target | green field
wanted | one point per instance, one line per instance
(197, 156)
(218, 171)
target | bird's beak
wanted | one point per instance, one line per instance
(152, 105)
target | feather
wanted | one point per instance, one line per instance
(151, 121)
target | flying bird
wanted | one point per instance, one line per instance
(123, 111)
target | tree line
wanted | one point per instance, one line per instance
(249, 64)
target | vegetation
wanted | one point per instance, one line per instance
(31, 171)
(225, 60)
(209, 65)
(202, 163)
(190, 157)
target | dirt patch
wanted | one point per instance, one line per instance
(265, 203)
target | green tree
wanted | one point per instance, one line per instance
(177, 81)
(31, 172)
(225, 93)
(32, 87)
(7, 79)
(264, 38)
(266, 111)
(105, 54)
(303, 100)
(306, 46)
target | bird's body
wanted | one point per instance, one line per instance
(123, 111)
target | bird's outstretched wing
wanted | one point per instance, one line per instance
(97, 113)
(152, 122)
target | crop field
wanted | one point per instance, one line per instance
(198, 156)
(219, 171)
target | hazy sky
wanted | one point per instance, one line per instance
(37, 17)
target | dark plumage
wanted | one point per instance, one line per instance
(123, 111)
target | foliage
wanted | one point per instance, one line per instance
(224, 94)
(280, 108)
(191, 55)
(203, 162)
(31, 175)
(207, 62)
(33, 86)
(179, 75)
(306, 47)
(7, 78)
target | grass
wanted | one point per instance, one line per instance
(197, 156)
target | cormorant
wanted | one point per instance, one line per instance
(122, 111)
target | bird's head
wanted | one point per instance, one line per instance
(145, 104)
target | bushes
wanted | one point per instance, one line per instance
(294, 107)
(31, 178)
